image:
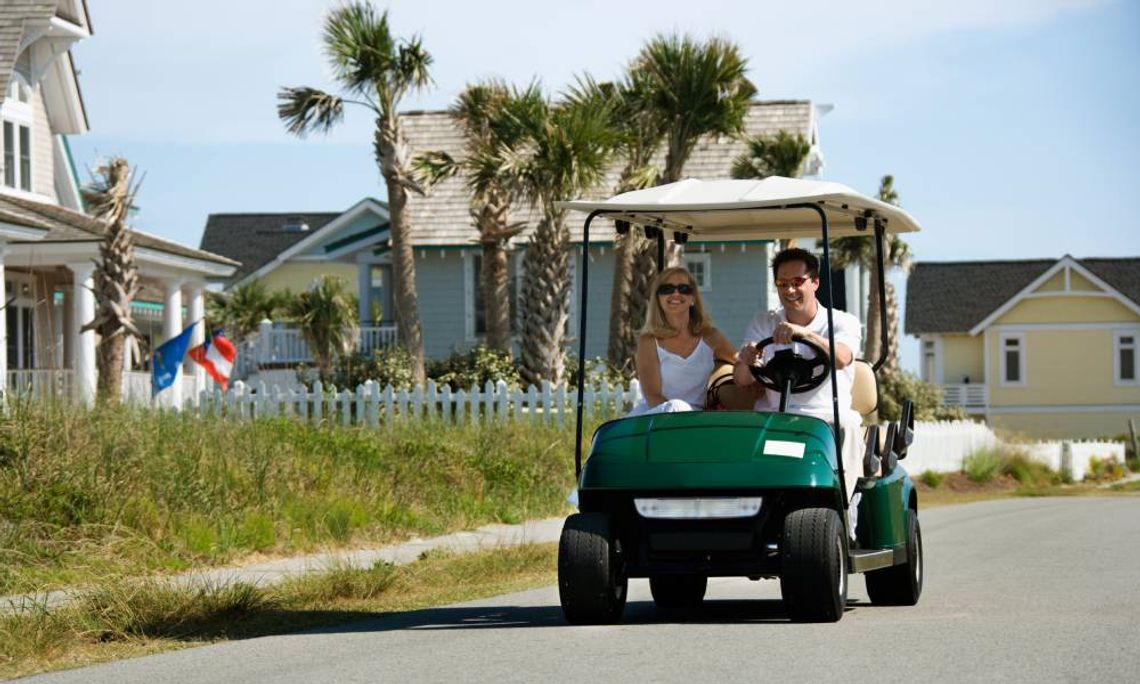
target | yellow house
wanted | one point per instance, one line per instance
(1042, 348)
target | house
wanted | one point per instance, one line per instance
(290, 249)
(1043, 347)
(47, 244)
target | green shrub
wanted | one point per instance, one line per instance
(1029, 472)
(385, 366)
(475, 368)
(897, 386)
(598, 371)
(983, 465)
(1105, 469)
(932, 478)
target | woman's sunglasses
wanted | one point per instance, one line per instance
(669, 288)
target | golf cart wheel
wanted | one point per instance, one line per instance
(900, 585)
(678, 592)
(813, 574)
(591, 575)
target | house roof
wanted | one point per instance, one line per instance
(443, 217)
(953, 297)
(65, 225)
(255, 239)
(13, 15)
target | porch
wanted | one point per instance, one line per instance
(280, 345)
(972, 396)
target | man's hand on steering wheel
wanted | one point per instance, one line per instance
(805, 373)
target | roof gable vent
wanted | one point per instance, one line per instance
(294, 224)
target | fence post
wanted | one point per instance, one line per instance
(561, 401)
(1067, 459)
(431, 399)
(389, 403)
(546, 402)
(460, 407)
(318, 402)
(532, 403)
(445, 405)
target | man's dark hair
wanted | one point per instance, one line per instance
(796, 254)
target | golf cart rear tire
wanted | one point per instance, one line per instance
(678, 593)
(813, 574)
(900, 585)
(592, 584)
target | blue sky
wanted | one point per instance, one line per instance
(1011, 129)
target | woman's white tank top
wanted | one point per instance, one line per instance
(686, 377)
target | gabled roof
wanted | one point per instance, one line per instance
(256, 239)
(65, 225)
(443, 217)
(955, 297)
(13, 15)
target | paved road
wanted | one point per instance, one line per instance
(1016, 590)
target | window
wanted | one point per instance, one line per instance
(700, 265)
(928, 360)
(16, 114)
(475, 286)
(1125, 357)
(1012, 360)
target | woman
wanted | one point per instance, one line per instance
(678, 347)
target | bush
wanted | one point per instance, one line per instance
(932, 478)
(1028, 472)
(897, 386)
(983, 465)
(1105, 469)
(475, 367)
(598, 371)
(385, 366)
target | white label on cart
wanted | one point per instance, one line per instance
(776, 447)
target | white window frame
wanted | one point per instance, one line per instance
(936, 356)
(1118, 346)
(1021, 359)
(469, 286)
(705, 260)
(19, 115)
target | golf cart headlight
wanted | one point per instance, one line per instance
(699, 508)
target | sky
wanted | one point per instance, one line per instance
(1010, 127)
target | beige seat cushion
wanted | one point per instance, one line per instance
(724, 392)
(864, 389)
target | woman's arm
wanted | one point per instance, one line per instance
(649, 370)
(722, 348)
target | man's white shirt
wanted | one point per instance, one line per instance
(817, 402)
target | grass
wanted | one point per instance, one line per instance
(85, 495)
(120, 620)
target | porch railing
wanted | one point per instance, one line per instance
(971, 395)
(280, 345)
(41, 384)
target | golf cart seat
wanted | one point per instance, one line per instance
(864, 400)
(724, 394)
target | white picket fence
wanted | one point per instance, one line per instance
(370, 405)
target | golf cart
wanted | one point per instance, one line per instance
(681, 497)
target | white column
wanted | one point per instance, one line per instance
(364, 292)
(59, 332)
(3, 326)
(68, 328)
(171, 326)
(195, 311)
(83, 343)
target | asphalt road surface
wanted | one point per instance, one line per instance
(1033, 590)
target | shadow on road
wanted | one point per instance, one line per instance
(499, 617)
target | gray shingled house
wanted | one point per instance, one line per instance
(1044, 347)
(47, 243)
(290, 250)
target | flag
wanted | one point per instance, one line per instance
(216, 355)
(168, 359)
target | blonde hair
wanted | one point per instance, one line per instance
(657, 324)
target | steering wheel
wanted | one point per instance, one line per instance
(804, 373)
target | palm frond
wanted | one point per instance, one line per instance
(359, 45)
(434, 167)
(307, 109)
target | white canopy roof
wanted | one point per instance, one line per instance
(749, 209)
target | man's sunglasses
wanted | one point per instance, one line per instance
(669, 288)
(796, 282)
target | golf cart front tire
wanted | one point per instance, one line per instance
(813, 574)
(592, 584)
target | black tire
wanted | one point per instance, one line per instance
(591, 574)
(678, 592)
(900, 585)
(813, 574)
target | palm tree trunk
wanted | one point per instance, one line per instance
(545, 303)
(623, 326)
(892, 362)
(496, 295)
(110, 365)
(394, 159)
(871, 344)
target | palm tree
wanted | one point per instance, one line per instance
(376, 70)
(109, 197)
(695, 89)
(861, 250)
(782, 154)
(491, 116)
(568, 149)
(639, 134)
(327, 318)
(241, 310)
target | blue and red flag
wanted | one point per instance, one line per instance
(217, 356)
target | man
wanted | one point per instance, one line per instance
(796, 275)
